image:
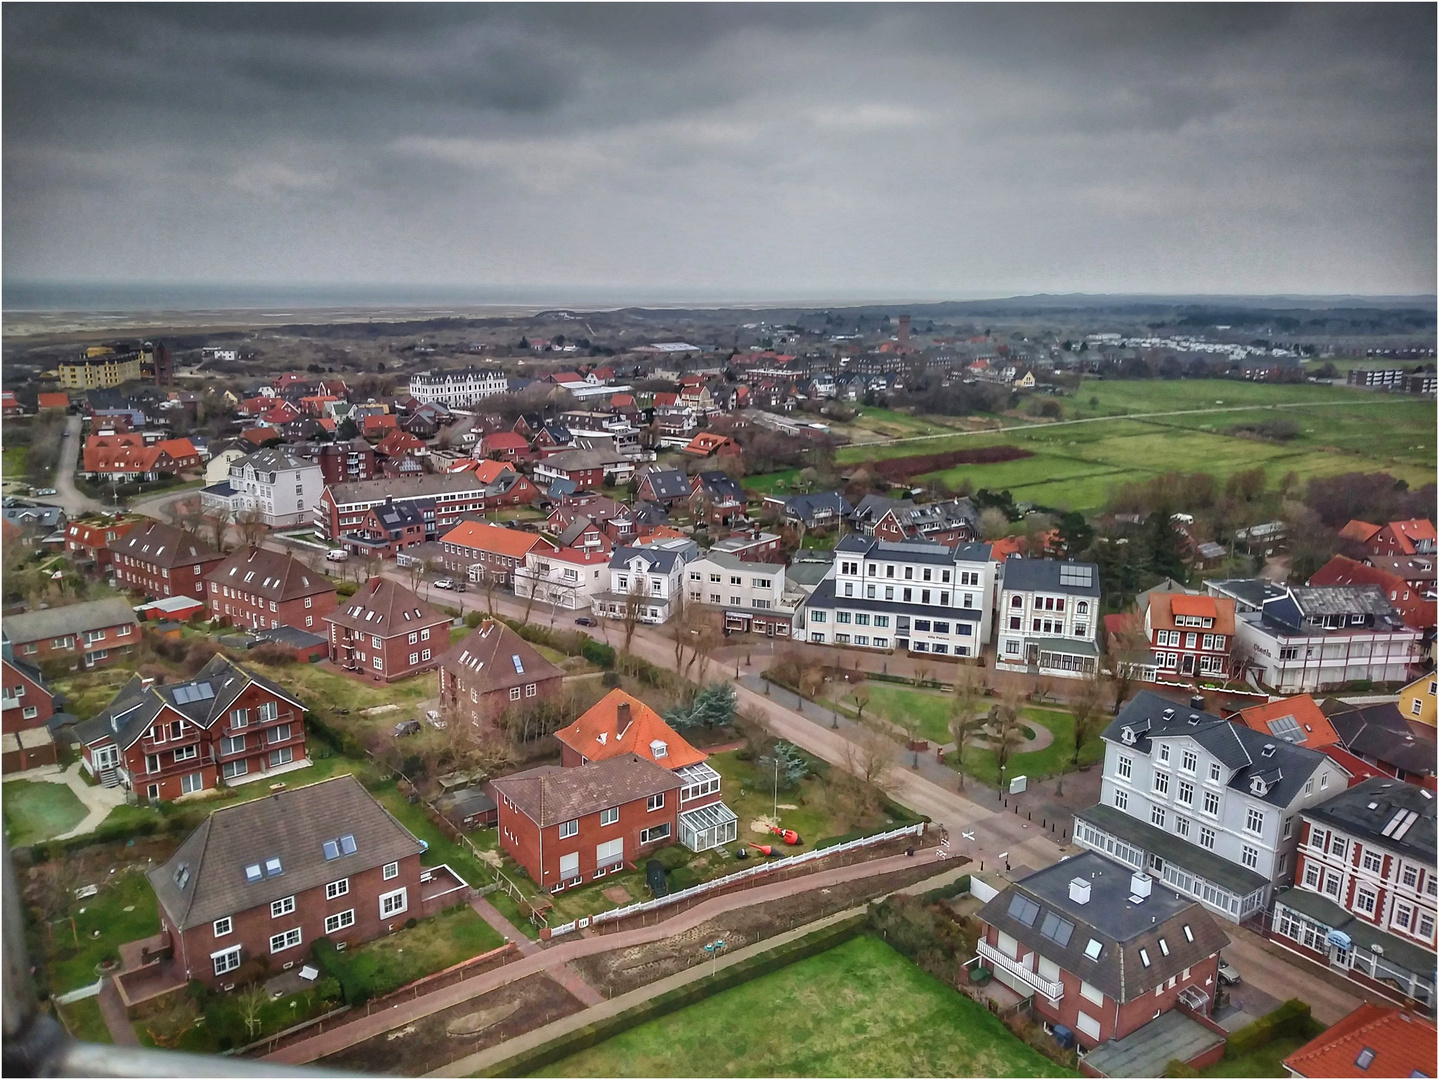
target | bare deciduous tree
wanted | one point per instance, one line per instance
(869, 754)
(1006, 734)
(251, 524)
(966, 715)
(862, 696)
(1085, 708)
(634, 607)
(1128, 650)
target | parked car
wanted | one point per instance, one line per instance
(47, 491)
(445, 583)
(407, 727)
(337, 555)
(584, 620)
(1228, 973)
(433, 716)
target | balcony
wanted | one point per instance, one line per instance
(996, 959)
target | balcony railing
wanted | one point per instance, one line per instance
(1051, 990)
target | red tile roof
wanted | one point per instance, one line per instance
(1164, 606)
(54, 401)
(1316, 728)
(482, 536)
(1398, 1043)
(600, 733)
(1417, 612)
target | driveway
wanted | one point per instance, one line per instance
(70, 497)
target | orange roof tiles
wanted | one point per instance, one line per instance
(496, 539)
(1363, 531)
(1184, 604)
(603, 732)
(1164, 606)
(53, 401)
(487, 472)
(1314, 726)
(1398, 1043)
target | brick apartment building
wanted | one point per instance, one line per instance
(492, 670)
(343, 506)
(1190, 635)
(261, 590)
(386, 632)
(27, 702)
(94, 633)
(226, 726)
(491, 552)
(89, 541)
(159, 560)
(567, 826)
(262, 880)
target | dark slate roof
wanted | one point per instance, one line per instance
(1351, 812)
(163, 545)
(976, 552)
(824, 597)
(1250, 591)
(805, 507)
(651, 513)
(1147, 1050)
(1167, 845)
(202, 700)
(1121, 928)
(1283, 765)
(1051, 575)
(1380, 733)
(660, 560)
(549, 795)
(292, 826)
(669, 483)
(562, 486)
(874, 507)
(721, 485)
(289, 636)
(915, 551)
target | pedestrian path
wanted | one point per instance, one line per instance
(555, 956)
(122, 1032)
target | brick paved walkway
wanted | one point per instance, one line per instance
(555, 956)
(502, 926)
(113, 1010)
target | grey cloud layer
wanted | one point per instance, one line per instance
(787, 149)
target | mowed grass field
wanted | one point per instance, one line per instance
(860, 1009)
(1075, 465)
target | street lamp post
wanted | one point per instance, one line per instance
(714, 948)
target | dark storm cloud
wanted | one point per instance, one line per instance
(790, 149)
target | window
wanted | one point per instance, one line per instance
(1181, 825)
(392, 903)
(1188, 761)
(1206, 837)
(1426, 925)
(1125, 767)
(224, 926)
(1121, 800)
(282, 756)
(278, 734)
(1214, 772)
(1161, 783)
(193, 782)
(392, 870)
(1364, 900)
(569, 828)
(514, 693)
(287, 940)
(1249, 857)
(226, 960)
(239, 717)
(185, 753)
(1211, 804)
(1157, 816)
(655, 802)
(1402, 914)
(659, 832)
(1164, 753)
(337, 888)
(1372, 861)
(339, 920)
(1339, 846)
(1186, 793)
(609, 815)
(1331, 883)
(377, 663)
(282, 907)
(1144, 957)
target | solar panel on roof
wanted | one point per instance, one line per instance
(1074, 574)
(1056, 929)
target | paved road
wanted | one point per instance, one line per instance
(70, 497)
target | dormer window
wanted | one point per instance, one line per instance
(658, 749)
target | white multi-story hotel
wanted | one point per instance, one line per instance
(916, 595)
(283, 488)
(1048, 611)
(645, 577)
(458, 389)
(566, 577)
(1208, 806)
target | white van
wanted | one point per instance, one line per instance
(338, 555)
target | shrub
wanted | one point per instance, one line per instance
(610, 679)
(411, 923)
(1291, 1018)
(598, 653)
(346, 588)
(474, 618)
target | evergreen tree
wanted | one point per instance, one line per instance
(1163, 549)
(792, 764)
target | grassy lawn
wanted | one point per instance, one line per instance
(506, 906)
(1264, 1061)
(123, 911)
(859, 1009)
(442, 849)
(35, 811)
(83, 1020)
(89, 692)
(431, 945)
(14, 462)
(319, 685)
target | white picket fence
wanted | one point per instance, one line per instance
(768, 867)
(79, 995)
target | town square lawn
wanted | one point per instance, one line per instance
(860, 1009)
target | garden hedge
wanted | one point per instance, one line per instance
(1290, 1019)
(582, 1038)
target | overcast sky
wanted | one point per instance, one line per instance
(748, 151)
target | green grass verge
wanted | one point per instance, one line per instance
(84, 1020)
(124, 910)
(36, 810)
(858, 1009)
(1265, 1060)
(431, 945)
(505, 904)
(14, 462)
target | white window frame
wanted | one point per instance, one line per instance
(610, 815)
(339, 920)
(569, 828)
(224, 925)
(389, 897)
(655, 802)
(335, 889)
(287, 939)
(282, 907)
(225, 961)
(391, 871)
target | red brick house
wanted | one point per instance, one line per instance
(90, 541)
(159, 560)
(491, 551)
(26, 702)
(492, 670)
(708, 444)
(262, 589)
(340, 462)
(620, 723)
(663, 486)
(504, 446)
(1414, 537)
(389, 528)
(262, 880)
(386, 632)
(94, 633)
(225, 726)
(1190, 636)
(397, 443)
(1103, 952)
(615, 520)
(568, 826)
(716, 498)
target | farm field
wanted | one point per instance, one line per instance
(1076, 464)
(859, 1009)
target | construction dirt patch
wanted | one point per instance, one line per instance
(623, 970)
(477, 1024)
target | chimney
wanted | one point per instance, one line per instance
(1079, 890)
(1197, 702)
(622, 718)
(1140, 885)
